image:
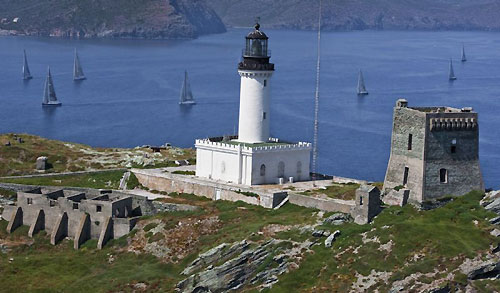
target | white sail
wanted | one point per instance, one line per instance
(77, 69)
(361, 84)
(452, 72)
(464, 58)
(49, 92)
(186, 93)
(26, 69)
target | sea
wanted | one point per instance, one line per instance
(132, 92)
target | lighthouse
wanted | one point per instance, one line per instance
(255, 94)
(253, 157)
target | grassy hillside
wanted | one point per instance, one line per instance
(404, 248)
(362, 14)
(20, 158)
(110, 18)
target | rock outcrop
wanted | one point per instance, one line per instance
(152, 19)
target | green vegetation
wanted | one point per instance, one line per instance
(20, 158)
(100, 180)
(7, 193)
(442, 239)
(248, 193)
(399, 187)
(189, 173)
(133, 182)
(344, 191)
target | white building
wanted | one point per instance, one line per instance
(252, 157)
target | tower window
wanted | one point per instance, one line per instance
(262, 170)
(360, 200)
(453, 148)
(443, 176)
(98, 209)
(29, 200)
(265, 82)
(410, 141)
(264, 116)
(405, 177)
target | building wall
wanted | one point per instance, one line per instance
(272, 160)
(242, 165)
(407, 121)
(255, 96)
(433, 134)
(463, 168)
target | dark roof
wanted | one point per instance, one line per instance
(257, 34)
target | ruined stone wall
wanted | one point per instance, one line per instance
(407, 121)
(463, 168)
(329, 205)
(212, 190)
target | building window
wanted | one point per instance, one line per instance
(410, 141)
(262, 170)
(281, 170)
(264, 116)
(360, 200)
(405, 177)
(75, 206)
(98, 209)
(443, 176)
(52, 203)
(453, 148)
(30, 200)
(265, 82)
(299, 167)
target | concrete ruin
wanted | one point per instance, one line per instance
(74, 214)
(434, 152)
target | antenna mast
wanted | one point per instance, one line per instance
(316, 100)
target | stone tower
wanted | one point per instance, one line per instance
(255, 71)
(434, 152)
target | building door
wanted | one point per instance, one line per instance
(405, 177)
(281, 170)
(217, 194)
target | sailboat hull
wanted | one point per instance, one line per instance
(187, 103)
(363, 93)
(52, 104)
(27, 77)
(79, 78)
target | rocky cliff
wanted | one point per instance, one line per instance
(154, 19)
(362, 14)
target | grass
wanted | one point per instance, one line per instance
(133, 182)
(189, 173)
(101, 180)
(445, 237)
(7, 193)
(344, 191)
(248, 193)
(20, 158)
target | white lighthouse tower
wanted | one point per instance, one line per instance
(255, 96)
(253, 157)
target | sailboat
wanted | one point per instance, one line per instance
(186, 94)
(77, 69)
(49, 93)
(361, 85)
(452, 72)
(26, 70)
(464, 58)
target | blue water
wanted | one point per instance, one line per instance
(131, 95)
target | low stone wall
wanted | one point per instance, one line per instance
(329, 205)
(169, 182)
(64, 173)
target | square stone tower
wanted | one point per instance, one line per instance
(434, 152)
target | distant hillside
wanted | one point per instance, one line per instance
(363, 14)
(156, 19)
